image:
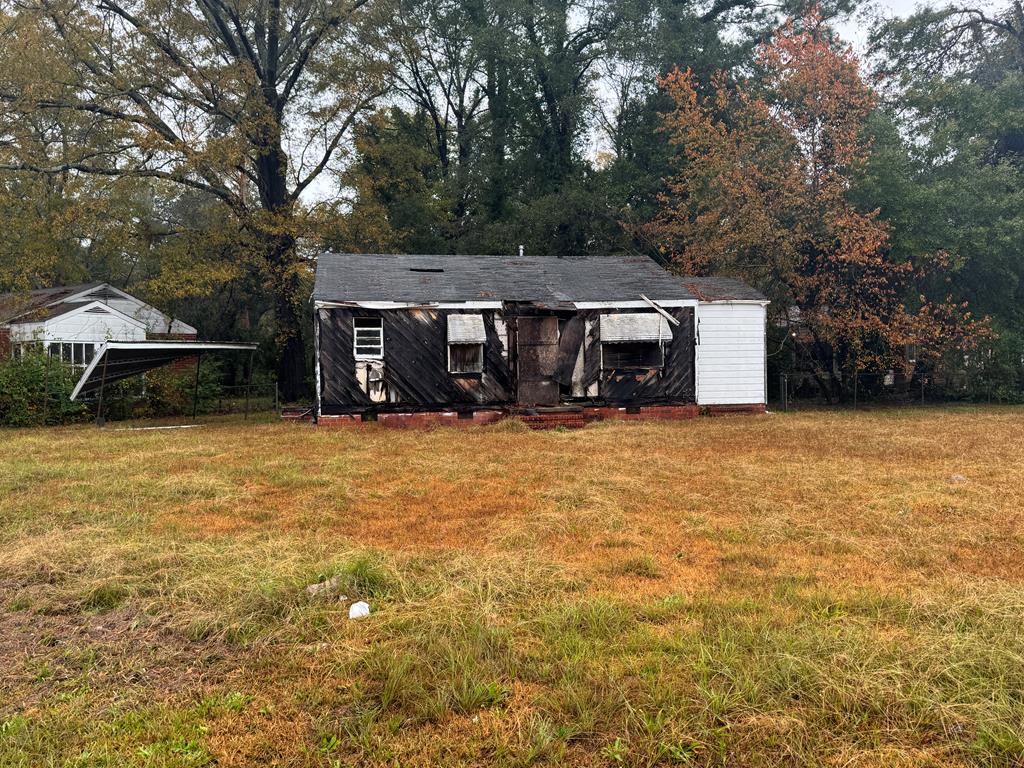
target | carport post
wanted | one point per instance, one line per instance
(248, 383)
(195, 389)
(103, 380)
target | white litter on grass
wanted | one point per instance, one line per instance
(359, 610)
(149, 429)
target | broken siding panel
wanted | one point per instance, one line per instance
(569, 344)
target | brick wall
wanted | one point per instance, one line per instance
(570, 419)
(419, 420)
(734, 410)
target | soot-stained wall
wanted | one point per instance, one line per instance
(415, 362)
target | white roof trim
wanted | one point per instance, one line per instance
(615, 304)
(634, 304)
(80, 309)
(319, 304)
(753, 302)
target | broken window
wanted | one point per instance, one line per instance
(466, 337)
(632, 354)
(633, 340)
(465, 358)
(368, 338)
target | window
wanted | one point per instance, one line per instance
(633, 340)
(368, 338)
(466, 337)
(465, 358)
(75, 353)
(632, 354)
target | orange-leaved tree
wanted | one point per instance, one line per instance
(760, 191)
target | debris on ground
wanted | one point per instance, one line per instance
(359, 610)
(325, 589)
(957, 479)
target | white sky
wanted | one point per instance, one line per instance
(855, 29)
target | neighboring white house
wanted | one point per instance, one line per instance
(731, 359)
(71, 321)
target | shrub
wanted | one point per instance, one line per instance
(167, 391)
(35, 390)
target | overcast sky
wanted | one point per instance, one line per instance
(855, 29)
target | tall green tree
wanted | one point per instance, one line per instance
(948, 162)
(244, 101)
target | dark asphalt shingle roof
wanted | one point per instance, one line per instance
(721, 289)
(544, 279)
(15, 305)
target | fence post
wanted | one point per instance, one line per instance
(46, 389)
(195, 389)
(277, 396)
(100, 421)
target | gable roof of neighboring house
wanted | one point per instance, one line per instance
(45, 314)
(15, 305)
(545, 280)
(46, 303)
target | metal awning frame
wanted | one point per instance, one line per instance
(172, 350)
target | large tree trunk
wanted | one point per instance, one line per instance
(282, 261)
(288, 313)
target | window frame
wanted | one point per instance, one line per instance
(65, 352)
(661, 353)
(480, 347)
(377, 325)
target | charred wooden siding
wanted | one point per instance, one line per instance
(415, 363)
(674, 382)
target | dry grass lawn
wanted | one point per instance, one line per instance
(838, 589)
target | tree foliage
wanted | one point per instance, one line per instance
(197, 152)
(762, 191)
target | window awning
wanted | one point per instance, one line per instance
(117, 360)
(466, 329)
(635, 326)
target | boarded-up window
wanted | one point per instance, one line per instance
(466, 337)
(632, 354)
(368, 338)
(466, 358)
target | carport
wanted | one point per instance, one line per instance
(118, 360)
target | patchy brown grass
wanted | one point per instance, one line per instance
(819, 588)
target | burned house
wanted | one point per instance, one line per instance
(479, 336)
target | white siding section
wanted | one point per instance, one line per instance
(81, 326)
(730, 354)
(155, 320)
